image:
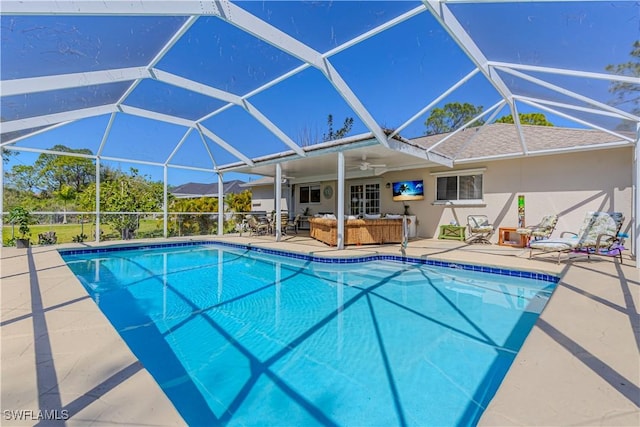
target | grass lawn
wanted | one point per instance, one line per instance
(66, 232)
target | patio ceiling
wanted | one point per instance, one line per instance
(364, 157)
(230, 86)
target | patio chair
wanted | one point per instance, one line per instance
(291, 225)
(542, 230)
(597, 236)
(256, 227)
(284, 220)
(480, 230)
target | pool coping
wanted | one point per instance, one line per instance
(327, 259)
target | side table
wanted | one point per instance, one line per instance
(452, 232)
(303, 223)
(507, 236)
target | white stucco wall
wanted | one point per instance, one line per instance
(566, 184)
(263, 198)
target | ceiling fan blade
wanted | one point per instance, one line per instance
(365, 166)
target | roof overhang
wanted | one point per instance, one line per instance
(321, 160)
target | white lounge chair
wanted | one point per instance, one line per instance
(598, 233)
(542, 230)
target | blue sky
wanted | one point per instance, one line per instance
(394, 73)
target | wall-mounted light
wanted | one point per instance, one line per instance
(388, 185)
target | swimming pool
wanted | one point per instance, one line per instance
(236, 336)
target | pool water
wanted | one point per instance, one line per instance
(238, 337)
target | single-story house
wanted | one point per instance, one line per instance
(563, 171)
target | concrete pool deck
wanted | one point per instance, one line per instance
(580, 364)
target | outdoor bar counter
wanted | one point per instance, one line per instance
(357, 231)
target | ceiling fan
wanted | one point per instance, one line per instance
(365, 166)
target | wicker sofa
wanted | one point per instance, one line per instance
(357, 231)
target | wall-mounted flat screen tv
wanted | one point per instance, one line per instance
(408, 190)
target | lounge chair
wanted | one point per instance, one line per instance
(542, 230)
(597, 235)
(480, 231)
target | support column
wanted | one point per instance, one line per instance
(165, 203)
(340, 196)
(278, 217)
(97, 199)
(636, 198)
(1, 201)
(220, 205)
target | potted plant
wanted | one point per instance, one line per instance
(21, 217)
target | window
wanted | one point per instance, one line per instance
(310, 194)
(460, 186)
(364, 198)
(372, 198)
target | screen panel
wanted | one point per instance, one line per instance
(51, 45)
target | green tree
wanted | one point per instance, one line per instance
(198, 216)
(13, 198)
(627, 92)
(537, 119)
(108, 173)
(7, 154)
(332, 135)
(240, 202)
(451, 117)
(24, 178)
(66, 194)
(126, 193)
(59, 170)
(21, 217)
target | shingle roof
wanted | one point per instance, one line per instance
(498, 139)
(199, 189)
